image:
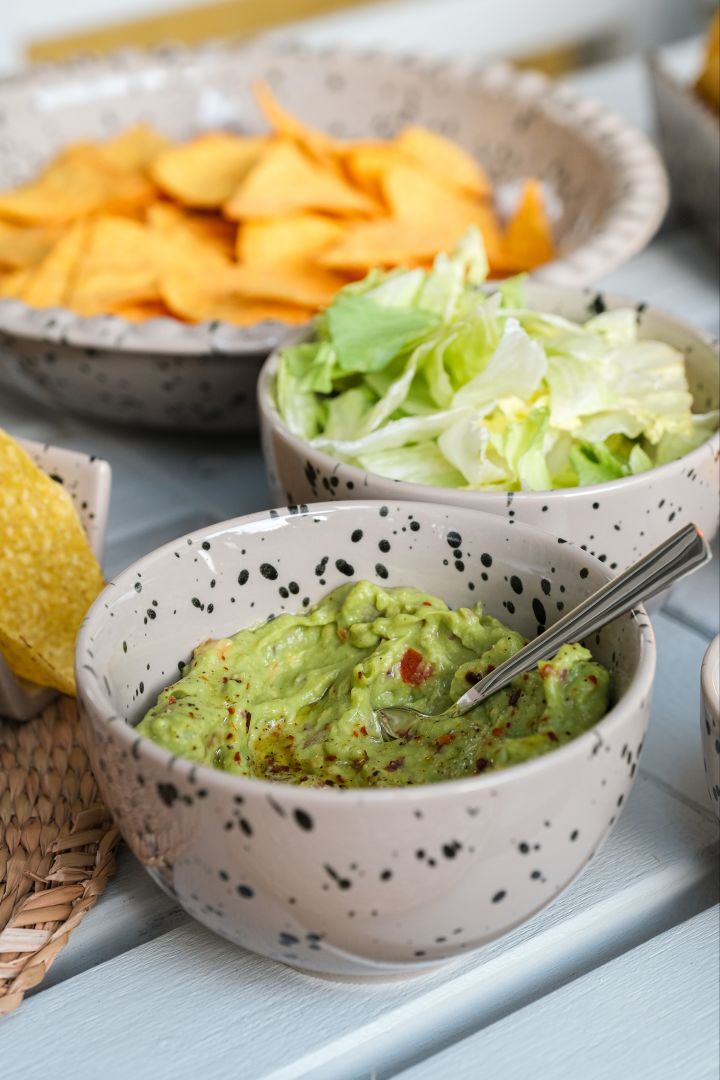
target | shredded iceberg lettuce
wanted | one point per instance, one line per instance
(419, 375)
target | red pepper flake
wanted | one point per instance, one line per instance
(592, 679)
(497, 731)
(490, 667)
(546, 671)
(248, 718)
(552, 736)
(331, 757)
(393, 766)
(426, 603)
(172, 700)
(444, 739)
(236, 757)
(414, 668)
(363, 730)
(514, 698)
(342, 633)
(231, 710)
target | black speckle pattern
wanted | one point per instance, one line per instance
(303, 819)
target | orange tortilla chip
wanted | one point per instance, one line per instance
(285, 181)
(50, 282)
(13, 283)
(22, 246)
(119, 266)
(444, 159)
(49, 574)
(286, 241)
(135, 147)
(367, 163)
(78, 182)
(415, 196)
(205, 226)
(305, 285)
(205, 172)
(527, 242)
(199, 299)
(139, 312)
(316, 143)
(389, 243)
(179, 239)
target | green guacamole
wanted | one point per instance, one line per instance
(292, 699)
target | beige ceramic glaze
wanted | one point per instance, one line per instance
(710, 720)
(617, 521)
(605, 182)
(87, 480)
(689, 132)
(354, 882)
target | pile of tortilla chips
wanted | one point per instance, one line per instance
(48, 575)
(245, 228)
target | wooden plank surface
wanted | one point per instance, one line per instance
(668, 985)
(211, 1002)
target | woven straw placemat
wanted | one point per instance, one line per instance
(57, 844)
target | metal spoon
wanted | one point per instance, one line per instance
(681, 554)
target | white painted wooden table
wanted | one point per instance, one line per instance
(618, 978)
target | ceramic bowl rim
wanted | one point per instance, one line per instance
(641, 194)
(96, 699)
(710, 677)
(269, 414)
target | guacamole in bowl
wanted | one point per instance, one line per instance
(294, 699)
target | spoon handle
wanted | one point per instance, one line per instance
(683, 552)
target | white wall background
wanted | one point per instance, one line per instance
(457, 27)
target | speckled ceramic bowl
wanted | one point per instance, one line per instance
(689, 131)
(607, 188)
(87, 480)
(710, 719)
(617, 521)
(373, 882)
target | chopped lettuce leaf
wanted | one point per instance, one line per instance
(512, 291)
(421, 464)
(673, 445)
(595, 464)
(517, 368)
(368, 336)
(298, 407)
(347, 413)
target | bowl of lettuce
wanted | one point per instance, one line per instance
(594, 417)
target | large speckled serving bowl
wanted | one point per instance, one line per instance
(710, 720)
(617, 521)
(607, 185)
(371, 882)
